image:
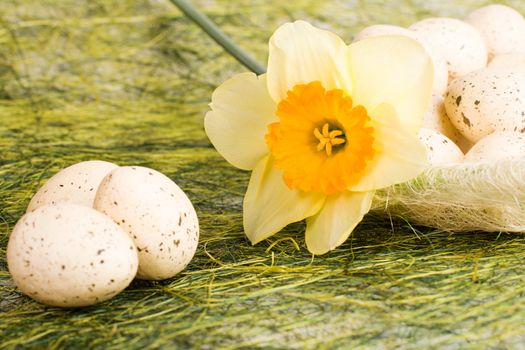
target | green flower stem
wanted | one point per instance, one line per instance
(220, 38)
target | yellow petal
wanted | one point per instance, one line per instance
(394, 70)
(269, 205)
(241, 109)
(400, 155)
(300, 54)
(336, 220)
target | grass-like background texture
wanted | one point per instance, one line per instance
(129, 81)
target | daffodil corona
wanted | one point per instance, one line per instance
(325, 127)
(321, 142)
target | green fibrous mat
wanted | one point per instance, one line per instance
(129, 82)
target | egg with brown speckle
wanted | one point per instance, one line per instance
(69, 255)
(440, 149)
(458, 43)
(486, 101)
(497, 146)
(502, 28)
(77, 184)
(156, 213)
(440, 83)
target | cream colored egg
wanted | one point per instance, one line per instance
(509, 61)
(77, 183)
(502, 28)
(459, 44)
(497, 146)
(440, 68)
(440, 149)
(70, 255)
(486, 101)
(156, 214)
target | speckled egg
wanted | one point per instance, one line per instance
(458, 43)
(77, 183)
(486, 101)
(69, 255)
(502, 28)
(440, 149)
(497, 146)
(156, 214)
(440, 68)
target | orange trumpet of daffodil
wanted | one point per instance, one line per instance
(323, 129)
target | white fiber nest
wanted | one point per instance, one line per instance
(486, 197)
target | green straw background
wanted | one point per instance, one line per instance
(129, 82)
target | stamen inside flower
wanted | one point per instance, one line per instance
(322, 142)
(328, 139)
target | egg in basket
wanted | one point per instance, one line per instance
(474, 130)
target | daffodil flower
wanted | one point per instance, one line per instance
(322, 130)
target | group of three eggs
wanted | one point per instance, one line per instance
(93, 227)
